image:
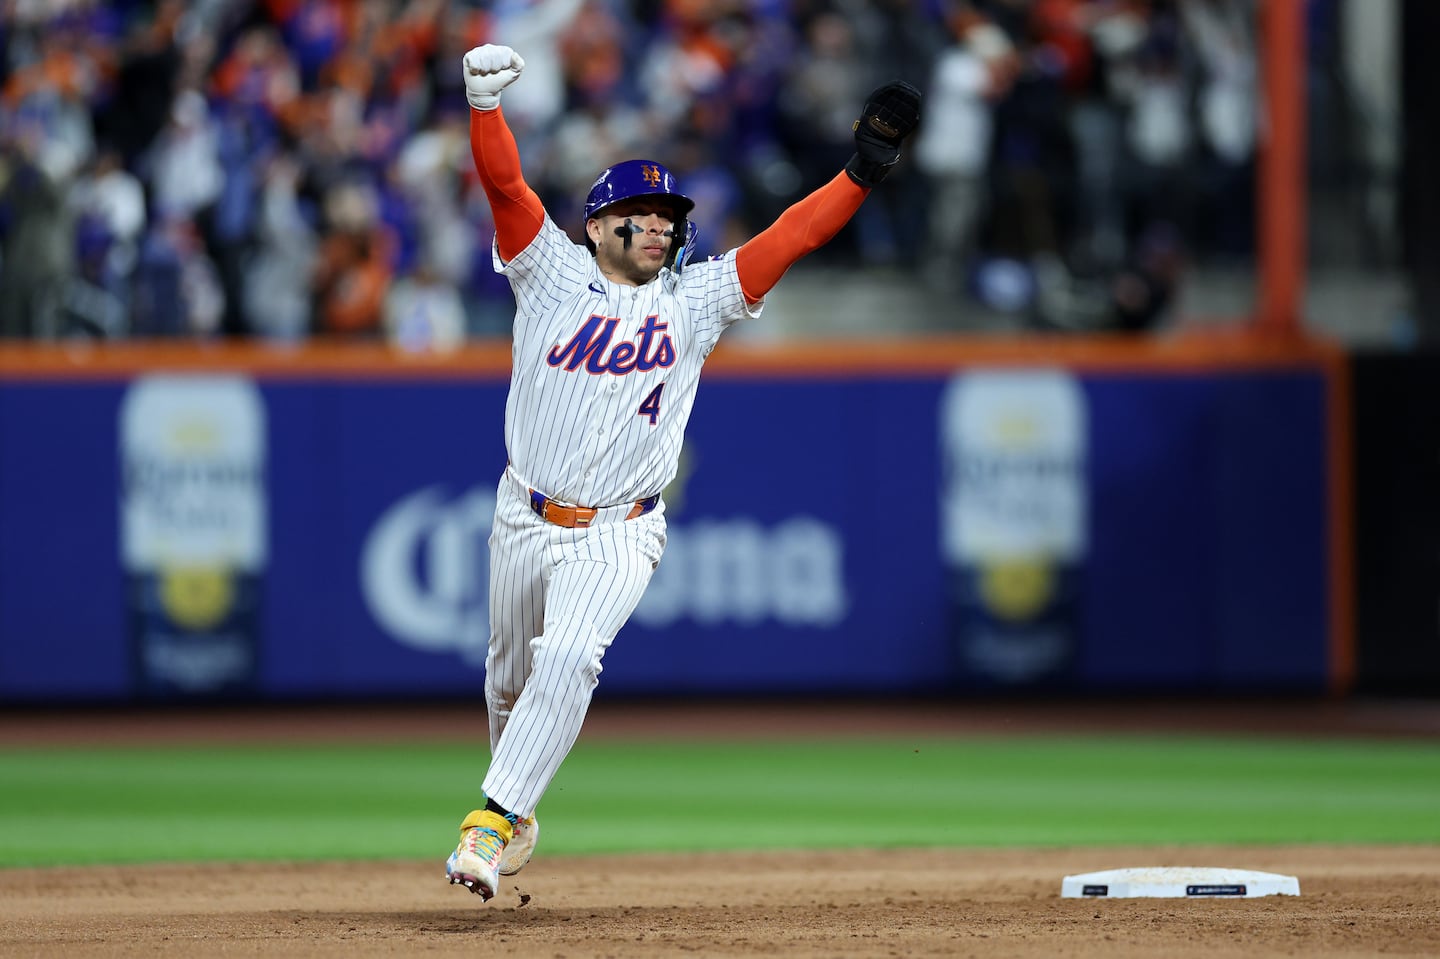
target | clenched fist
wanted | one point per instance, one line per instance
(488, 70)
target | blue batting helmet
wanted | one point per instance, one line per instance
(635, 178)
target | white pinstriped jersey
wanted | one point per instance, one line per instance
(604, 375)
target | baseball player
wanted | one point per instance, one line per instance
(609, 339)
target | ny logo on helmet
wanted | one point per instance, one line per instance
(651, 174)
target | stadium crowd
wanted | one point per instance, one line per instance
(300, 168)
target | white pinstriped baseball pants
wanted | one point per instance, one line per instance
(558, 597)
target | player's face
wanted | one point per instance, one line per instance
(642, 258)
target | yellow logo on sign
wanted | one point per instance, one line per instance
(651, 175)
(1017, 589)
(197, 598)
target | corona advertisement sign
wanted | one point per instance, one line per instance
(193, 532)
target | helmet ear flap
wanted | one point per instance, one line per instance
(682, 247)
(677, 240)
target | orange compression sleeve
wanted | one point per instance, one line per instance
(804, 227)
(517, 209)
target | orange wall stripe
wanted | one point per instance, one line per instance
(855, 358)
(311, 360)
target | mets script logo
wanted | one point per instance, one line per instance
(651, 174)
(590, 347)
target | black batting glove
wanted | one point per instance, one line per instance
(891, 114)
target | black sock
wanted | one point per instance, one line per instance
(493, 806)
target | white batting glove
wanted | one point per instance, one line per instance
(488, 70)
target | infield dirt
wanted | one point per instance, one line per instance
(1355, 901)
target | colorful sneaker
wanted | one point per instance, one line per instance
(475, 862)
(521, 846)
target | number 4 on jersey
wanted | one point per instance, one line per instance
(650, 406)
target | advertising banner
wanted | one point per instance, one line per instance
(1018, 528)
(1014, 521)
(193, 533)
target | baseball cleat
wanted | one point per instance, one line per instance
(475, 862)
(521, 846)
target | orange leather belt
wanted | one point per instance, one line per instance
(573, 517)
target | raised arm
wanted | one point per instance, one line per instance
(890, 115)
(516, 207)
(804, 227)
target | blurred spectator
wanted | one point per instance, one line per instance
(36, 249)
(817, 108)
(489, 302)
(291, 168)
(598, 131)
(259, 78)
(177, 291)
(276, 278)
(719, 201)
(1160, 131)
(1222, 35)
(115, 199)
(897, 40)
(952, 148)
(685, 74)
(1101, 36)
(423, 312)
(107, 204)
(352, 269)
(148, 64)
(47, 102)
(89, 301)
(539, 29)
(429, 176)
(45, 138)
(182, 168)
(1032, 171)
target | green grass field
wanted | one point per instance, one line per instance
(60, 806)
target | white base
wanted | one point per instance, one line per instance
(1178, 882)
